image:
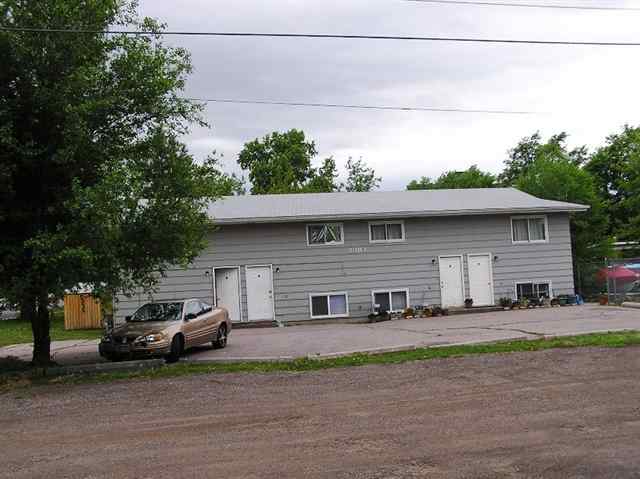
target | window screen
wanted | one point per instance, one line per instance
(394, 231)
(399, 300)
(338, 304)
(378, 233)
(520, 230)
(537, 229)
(319, 306)
(382, 299)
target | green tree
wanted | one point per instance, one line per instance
(360, 177)
(224, 183)
(279, 163)
(282, 163)
(323, 179)
(563, 180)
(95, 186)
(616, 169)
(471, 178)
(529, 149)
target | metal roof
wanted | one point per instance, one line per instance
(380, 204)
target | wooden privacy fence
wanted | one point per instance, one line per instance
(82, 311)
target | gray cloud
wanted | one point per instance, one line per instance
(589, 92)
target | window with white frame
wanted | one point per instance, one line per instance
(383, 232)
(325, 234)
(329, 305)
(529, 229)
(533, 290)
(395, 300)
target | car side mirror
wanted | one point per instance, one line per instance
(189, 316)
(127, 318)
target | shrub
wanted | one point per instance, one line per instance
(506, 302)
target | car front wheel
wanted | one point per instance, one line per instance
(221, 337)
(176, 350)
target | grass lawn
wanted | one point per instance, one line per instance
(15, 331)
(607, 340)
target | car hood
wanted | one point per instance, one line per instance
(142, 328)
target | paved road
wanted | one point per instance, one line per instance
(298, 341)
(551, 414)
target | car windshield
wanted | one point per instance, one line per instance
(158, 312)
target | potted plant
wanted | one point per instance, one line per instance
(379, 316)
(468, 303)
(408, 313)
(603, 299)
(506, 302)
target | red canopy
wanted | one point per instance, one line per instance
(619, 273)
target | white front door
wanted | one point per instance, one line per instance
(259, 293)
(228, 291)
(451, 282)
(480, 279)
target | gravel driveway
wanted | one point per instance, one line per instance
(552, 414)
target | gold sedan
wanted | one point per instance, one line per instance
(167, 329)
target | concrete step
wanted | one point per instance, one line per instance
(474, 309)
(255, 324)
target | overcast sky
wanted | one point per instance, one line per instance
(589, 92)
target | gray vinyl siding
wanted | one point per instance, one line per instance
(299, 269)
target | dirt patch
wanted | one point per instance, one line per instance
(556, 413)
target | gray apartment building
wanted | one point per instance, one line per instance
(295, 257)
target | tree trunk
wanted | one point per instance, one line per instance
(40, 327)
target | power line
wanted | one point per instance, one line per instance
(525, 5)
(320, 35)
(362, 107)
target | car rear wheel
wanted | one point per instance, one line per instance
(221, 337)
(176, 350)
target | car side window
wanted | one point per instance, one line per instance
(192, 308)
(205, 307)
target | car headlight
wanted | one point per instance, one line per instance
(151, 338)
